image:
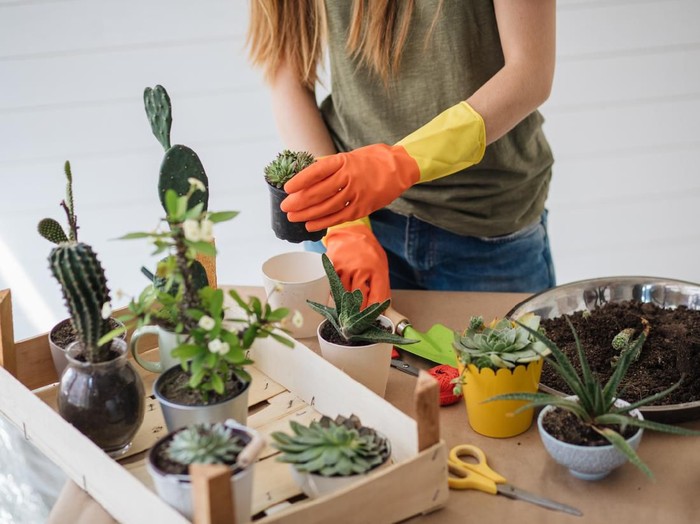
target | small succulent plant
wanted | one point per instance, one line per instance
(205, 444)
(50, 229)
(624, 341)
(352, 323)
(286, 165)
(180, 164)
(332, 447)
(500, 344)
(595, 405)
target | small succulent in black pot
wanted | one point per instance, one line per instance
(277, 173)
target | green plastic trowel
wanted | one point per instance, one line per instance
(434, 345)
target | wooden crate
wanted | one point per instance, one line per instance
(287, 384)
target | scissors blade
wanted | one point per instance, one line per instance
(516, 493)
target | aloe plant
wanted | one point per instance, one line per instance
(332, 447)
(286, 165)
(595, 402)
(500, 344)
(352, 323)
(205, 444)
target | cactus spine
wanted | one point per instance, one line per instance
(180, 163)
(81, 276)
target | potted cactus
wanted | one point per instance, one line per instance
(593, 431)
(100, 392)
(228, 443)
(358, 341)
(499, 357)
(63, 334)
(330, 454)
(277, 173)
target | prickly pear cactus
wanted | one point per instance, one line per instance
(84, 286)
(180, 163)
(52, 231)
(159, 111)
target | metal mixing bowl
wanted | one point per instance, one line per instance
(590, 294)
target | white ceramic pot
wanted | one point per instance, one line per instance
(368, 365)
(315, 486)
(587, 462)
(167, 341)
(176, 490)
(290, 280)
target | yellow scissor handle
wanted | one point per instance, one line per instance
(472, 475)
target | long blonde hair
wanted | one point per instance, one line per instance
(293, 32)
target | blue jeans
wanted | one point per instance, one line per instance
(423, 256)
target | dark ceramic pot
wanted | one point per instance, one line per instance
(284, 229)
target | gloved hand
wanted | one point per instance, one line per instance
(359, 260)
(347, 186)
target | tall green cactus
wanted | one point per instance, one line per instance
(84, 286)
(49, 228)
(180, 163)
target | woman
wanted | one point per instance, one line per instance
(435, 168)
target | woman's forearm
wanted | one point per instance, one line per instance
(297, 116)
(527, 29)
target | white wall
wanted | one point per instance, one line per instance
(622, 120)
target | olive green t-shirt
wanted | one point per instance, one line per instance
(507, 190)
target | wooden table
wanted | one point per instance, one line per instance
(626, 496)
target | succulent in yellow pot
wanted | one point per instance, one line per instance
(494, 359)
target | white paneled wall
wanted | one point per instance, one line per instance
(622, 120)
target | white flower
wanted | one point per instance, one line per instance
(197, 183)
(297, 319)
(207, 323)
(217, 346)
(206, 230)
(106, 310)
(192, 230)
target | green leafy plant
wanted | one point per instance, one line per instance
(332, 448)
(595, 403)
(215, 347)
(205, 444)
(350, 322)
(286, 165)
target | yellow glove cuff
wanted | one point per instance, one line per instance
(364, 221)
(450, 142)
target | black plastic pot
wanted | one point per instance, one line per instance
(284, 229)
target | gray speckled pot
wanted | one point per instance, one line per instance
(587, 462)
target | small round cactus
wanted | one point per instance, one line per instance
(285, 166)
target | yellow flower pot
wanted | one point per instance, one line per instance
(496, 419)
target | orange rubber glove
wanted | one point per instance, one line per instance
(359, 259)
(347, 186)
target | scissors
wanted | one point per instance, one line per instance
(479, 475)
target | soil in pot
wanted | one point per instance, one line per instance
(329, 333)
(671, 350)
(567, 427)
(63, 334)
(173, 386)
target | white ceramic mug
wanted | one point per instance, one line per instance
(167, 341)
(290, 280)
